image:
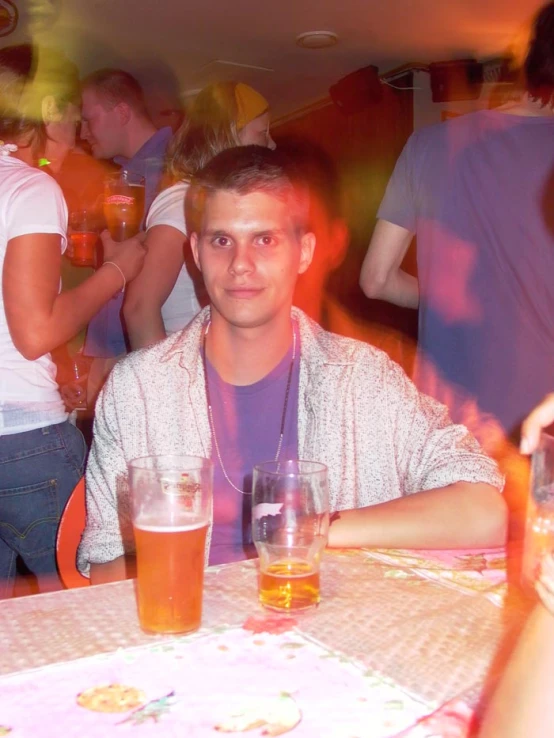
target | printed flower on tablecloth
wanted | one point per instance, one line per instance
(480, 563)
(271, 624)
(153, 710)
(275, 715)
(4, 730)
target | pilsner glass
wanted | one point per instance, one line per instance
(123, 204)
(171, 507)
(290, 523)
(539, 532)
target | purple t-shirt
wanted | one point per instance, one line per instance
(248, 422)
(478, 193)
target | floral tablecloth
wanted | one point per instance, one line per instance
(232, 680)
(399, 648)
(469, 571)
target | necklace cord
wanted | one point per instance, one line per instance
(211, 415)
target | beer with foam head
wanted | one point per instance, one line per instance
(171, 500)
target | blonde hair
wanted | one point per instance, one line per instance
(210, 127)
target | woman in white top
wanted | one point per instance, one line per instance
(168, 292)
(41, 453)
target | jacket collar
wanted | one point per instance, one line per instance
(318, 346)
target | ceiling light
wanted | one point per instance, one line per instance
(317, 39)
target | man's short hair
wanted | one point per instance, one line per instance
(114, 86)
(539, 63)
(244, 170)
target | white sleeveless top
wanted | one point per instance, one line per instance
(30, 202)
(182, 304)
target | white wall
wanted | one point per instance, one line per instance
(426, 112)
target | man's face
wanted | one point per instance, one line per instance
(250, 256)
(101, 126)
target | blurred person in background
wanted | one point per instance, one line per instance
(168, 293)
(116, 125)
(326, 223)
(477, 193)
(41, 453)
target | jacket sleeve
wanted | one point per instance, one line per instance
(108, 533)
(430, 450)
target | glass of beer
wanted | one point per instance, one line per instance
(123, 204)
(290, 523)
(83, 232)
(171, 499)
(539, 531)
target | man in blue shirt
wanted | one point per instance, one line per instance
(116, 125)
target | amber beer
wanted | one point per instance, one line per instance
(123, 204)
(289, 585)
(84, 248)
(170, 575)
(124, 211)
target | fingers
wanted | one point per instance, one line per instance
(541, 417)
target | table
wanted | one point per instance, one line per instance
(411, 634)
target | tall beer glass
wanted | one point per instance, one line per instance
(171, 507)
(290, 524)
(123, 204)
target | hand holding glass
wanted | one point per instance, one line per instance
(171, 507)
(290, 523)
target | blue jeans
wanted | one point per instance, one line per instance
(38, 471)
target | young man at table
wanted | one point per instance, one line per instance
(252, 378)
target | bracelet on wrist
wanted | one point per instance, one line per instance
(120, 271)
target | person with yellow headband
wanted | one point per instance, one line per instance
(168, 292)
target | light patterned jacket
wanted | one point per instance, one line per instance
(358, 413)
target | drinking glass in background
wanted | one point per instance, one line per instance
(84, 230)
(123, 204)
(539, 531)
(290, 524)
(171, 499)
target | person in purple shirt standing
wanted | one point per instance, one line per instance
(477, 191)
(115, 123)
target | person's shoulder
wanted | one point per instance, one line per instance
(153, 363)
(174, 192)
(333, 348)
(24, 179)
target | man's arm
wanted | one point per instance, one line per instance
(461, 515)
(382, 276)
(124, 567)
(448, 489)
(108, 535)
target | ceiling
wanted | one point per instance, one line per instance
(184, 44)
